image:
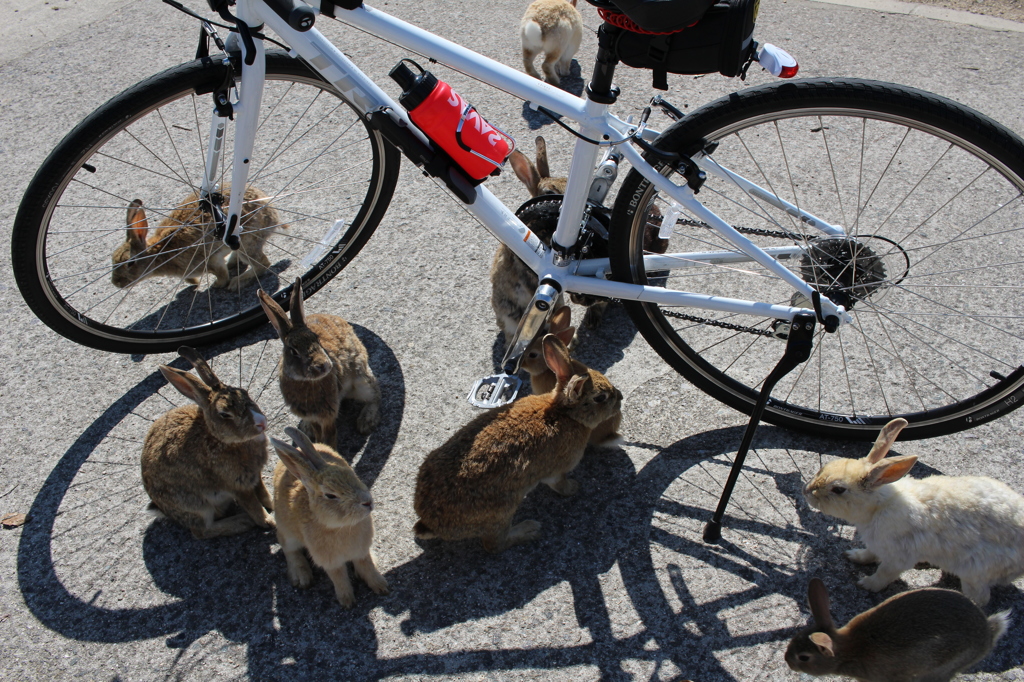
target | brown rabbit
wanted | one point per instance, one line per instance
(184, 244)
(197, 459)
(472, 485)
(926, 635)
(555, 28)
(323, 363)
(543, 380)
(324, 508)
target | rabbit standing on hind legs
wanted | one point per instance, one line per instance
(970, 526)
(198, 459)
(324, 508)
(472, 485)
(926, 635)
(555, 28)
(323, 363)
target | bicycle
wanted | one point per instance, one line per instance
(902, 307)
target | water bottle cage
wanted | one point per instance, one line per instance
(465, 147)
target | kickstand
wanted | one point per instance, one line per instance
(798, 349)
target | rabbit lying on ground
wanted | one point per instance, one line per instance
(970, 526)
(555, 28)
(184, 245)
(472, 485)
(543, 380)
(323, 363)
(324, 508)
(923, 635)
(198, 459)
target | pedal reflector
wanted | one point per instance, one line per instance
(494, 391)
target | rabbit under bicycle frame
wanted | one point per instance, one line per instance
(595, 123)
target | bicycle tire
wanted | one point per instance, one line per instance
(328, 175)
(933, 282)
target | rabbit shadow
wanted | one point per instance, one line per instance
(573, 83)
(182, 310)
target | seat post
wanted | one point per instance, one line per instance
(601, 89)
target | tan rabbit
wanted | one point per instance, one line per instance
(472, 485)
(197, 459)
(926, 635)
(185, 245)
(543, 380)
(555, 28)
(324, 508)
(970, 526)
(323, 363)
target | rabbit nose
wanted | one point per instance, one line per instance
(259, 420)
(366, 500)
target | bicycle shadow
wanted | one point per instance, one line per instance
(224, 585)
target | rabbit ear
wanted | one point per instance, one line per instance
(308, 452)
(542, 157)
(525, 171)
(560, 319)
(138, 226)
(188, 385)
(824, 643)
(298, 316)
(817, 599)
(889, 470)
(293, 461)
(886, 437)
(203, 369)
(556, 357)
(275, 313)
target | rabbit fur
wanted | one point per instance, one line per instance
(970, 526)
(543, 380)
(925, 635)
(472, 485)
(323, 363)
(198, 459)
(184, 245)
(324, 508)
(555, 28)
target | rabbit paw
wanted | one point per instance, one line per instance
(300, 573)
(861, 556)
(369, 418)
(378, 584)
(873, 583)
(567, 487)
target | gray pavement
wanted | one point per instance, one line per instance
(619, 586)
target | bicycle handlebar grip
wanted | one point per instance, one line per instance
(299, 15)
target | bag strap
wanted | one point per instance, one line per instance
(658, 52)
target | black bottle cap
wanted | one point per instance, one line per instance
(416, 87)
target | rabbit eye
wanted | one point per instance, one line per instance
(804, 657)
(600, 397)
(330, 496)
(294, 353)
(838, 489)
(226, 415)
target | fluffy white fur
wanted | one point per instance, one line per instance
(970, 526)
(555, 28)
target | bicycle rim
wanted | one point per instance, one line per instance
(320, 177)
(930, 196)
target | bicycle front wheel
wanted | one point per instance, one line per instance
(320, 181)
(929, 194)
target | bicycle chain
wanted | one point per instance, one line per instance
(727, 325)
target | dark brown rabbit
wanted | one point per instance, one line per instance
(543, 380)
(925, 635)
(323, 363)
(198, 459)
(472, 485)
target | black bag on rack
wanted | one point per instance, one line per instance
(722, 41)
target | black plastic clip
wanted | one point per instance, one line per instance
(221, 94)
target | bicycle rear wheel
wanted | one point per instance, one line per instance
(326, 176)
(930, 195)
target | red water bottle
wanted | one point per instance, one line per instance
(449, 121)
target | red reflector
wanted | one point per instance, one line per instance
(789, 71)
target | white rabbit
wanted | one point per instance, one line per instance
(555, 28)
(970, 526)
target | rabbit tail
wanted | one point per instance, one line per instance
(424, 533)
(998, 624)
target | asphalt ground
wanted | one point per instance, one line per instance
(619, 585)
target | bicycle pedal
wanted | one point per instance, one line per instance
(494, 391)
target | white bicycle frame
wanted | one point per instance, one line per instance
(595, 122)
